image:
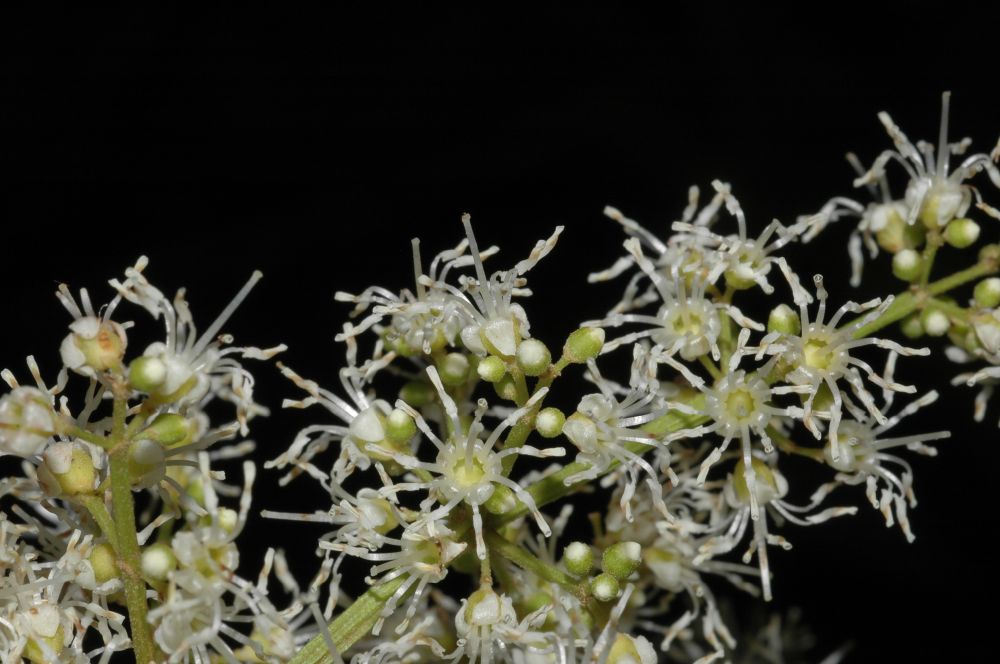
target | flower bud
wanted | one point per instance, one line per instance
(171, 430)
(784, 320)
(147, 373)
(632, 650)
(987, 293)
(961, 233)
(533, 357)
(894, 234)
(912, 327)
(104, 563)
(584, 344)
(27, 422)
(227, 519)
(158, 561)
(146, 463)
(72, 467)
(935, 322)
(505, 388)
(491, 369)
(454, 369)
(483, 608)
(47, 634)
(906, 265)
(765, 483)
(93, 346)
(605, 587)
(417, 393)
(578, 558)
(549, 422)
(621, 559)
(399, 426)
(501, 501)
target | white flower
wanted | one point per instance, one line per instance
(606, 422)
(686, 319)
(467, 468)
(189, 368)
(27, 422)
(820, 357)
(498, 322)
(934, 195)
(864, 459)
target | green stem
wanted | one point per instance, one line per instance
(95, 505)
(529, 562)
(350, 626)
(129, 556)
(906, 303)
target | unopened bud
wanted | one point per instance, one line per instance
(621, 559)
(158, 561)
(549, 422)
(907, 265)
(417, 394)
(72, 467)
(147, 373)
(961, 233)
(987, 293)
(533, 357)
(584, 344)
(454, 369)
(491, 369)
(399, 426)
(784, 320)
(605, 587)
(578, 558)
(935, 322)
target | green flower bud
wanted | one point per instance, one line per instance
(228, 519)
(417, 393)
(935, 322)
(961, 233)
(171, 430)
(987, 293)
(454, 369)
(147, 374)
(399, 426)
(72, 467)
(621, 559)
(578, 558)
(906, 265)
(158, 561)
(605, 587)
(584, 344)
(533, 357)
(783, 319)
(491, 369)
(549, 422)
(501, 501)
(632, 650)
(505, 388)
(897, 235)
(912, 327)
(104, 563)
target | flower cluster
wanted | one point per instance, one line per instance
(711, 383)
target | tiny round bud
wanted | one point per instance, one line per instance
(73, 468)
(228, 519)
(549, 422)
(912, 327)
(621, 559)
(491, 369)
(399, 426)
(103, 562)
(147, 374)
(158, 561)
(605, 587)
(987, 293)
(171, 430)
(935, 322)
(584, 344)
(483, 607)
(533, 357)
(784, 320)
(578, 558)
(907, 265)
(454, 369)
(505, 388)
(417, 393)
(961, 233)
(501, 501)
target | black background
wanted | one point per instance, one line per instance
(313, 142)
